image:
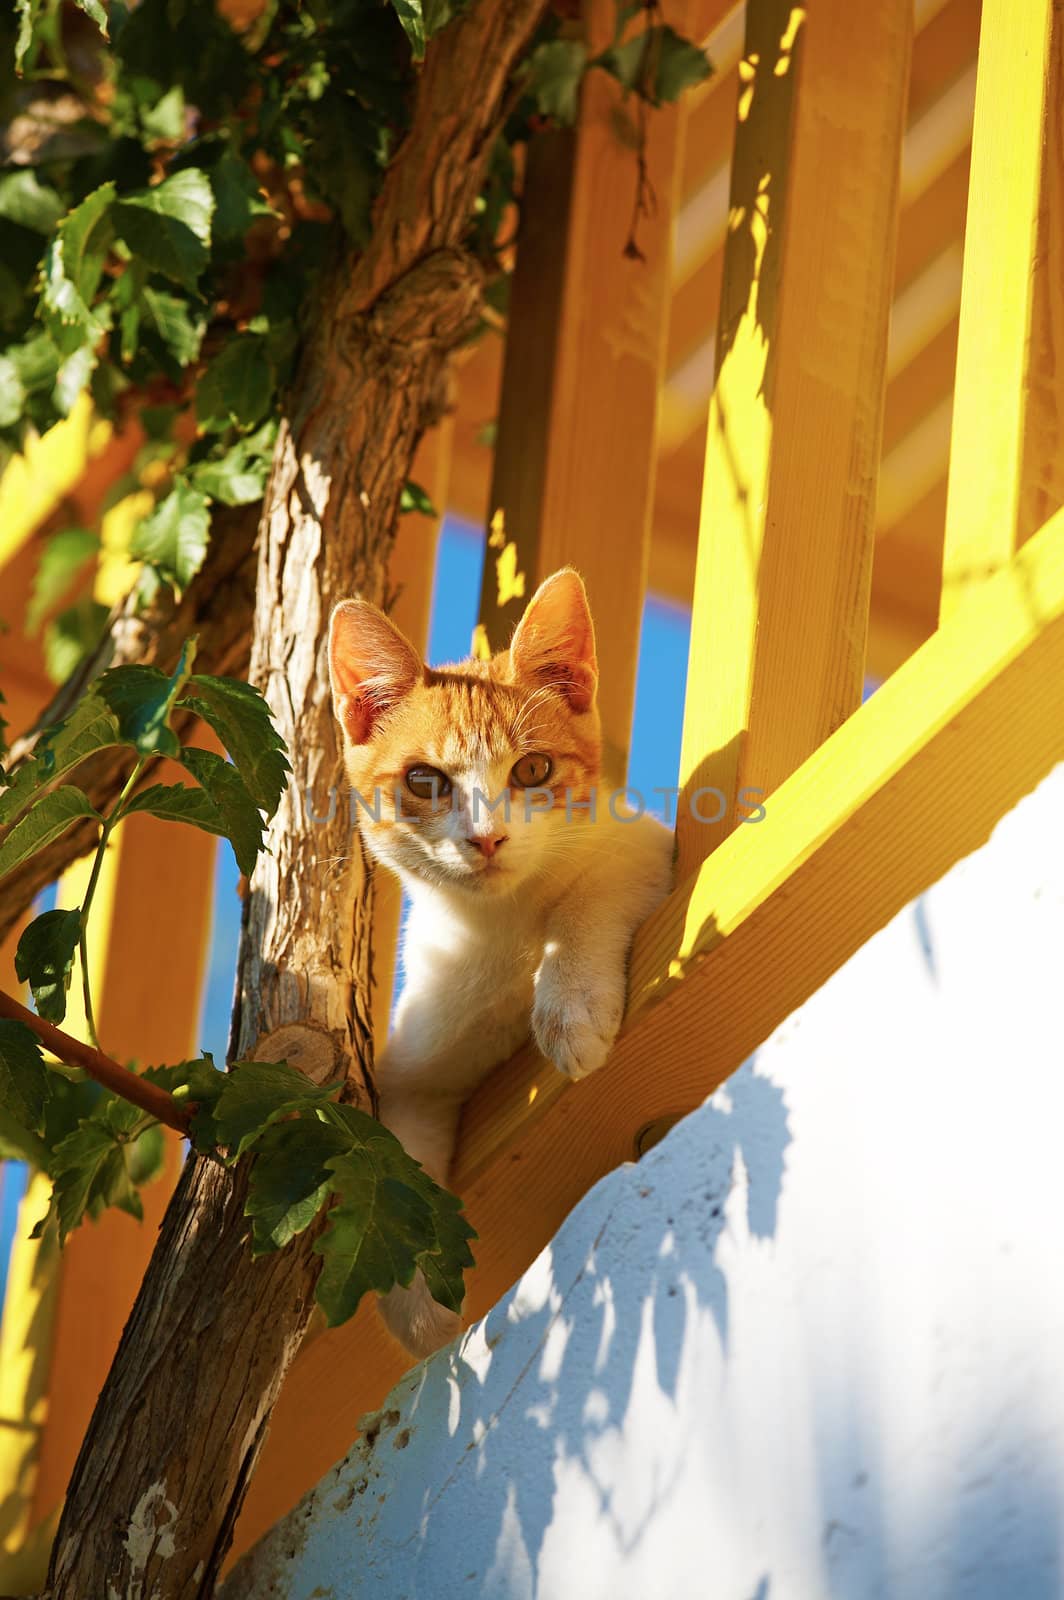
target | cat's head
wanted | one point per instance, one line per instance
(431, 751)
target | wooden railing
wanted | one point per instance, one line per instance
(866, 805)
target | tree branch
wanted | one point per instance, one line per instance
(129, 1085)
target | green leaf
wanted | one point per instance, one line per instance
(289, 1180)
(238, 477)
(241, 718)
(12, 393)
(95, 11)
(45, 957)
(239, 383)
(376, 1231)
(658, 64)
(175, 322)
(410, 15)
(237, 198)
(71, 273)
(46, 819)
(169, 227)
(555, 71)
(100, 1165)
(256, 1093)
(25, 200)
(174, 537)
(198, 1082)
(72, 636)
(26, 11)
(415, 498)
(390, 1219)
(141, 700)
(62, 561)
(23, 1076)
(239, 819)
(74, 373)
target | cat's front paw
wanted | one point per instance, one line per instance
(575, 1029)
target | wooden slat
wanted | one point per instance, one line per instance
(912, 782)
(784, 559)
(575, 454)
(1012, 261)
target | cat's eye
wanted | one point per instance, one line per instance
(531, 772)
(428, 783)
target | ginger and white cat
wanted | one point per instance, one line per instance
(479, 788)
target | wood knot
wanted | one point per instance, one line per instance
(311, 1049)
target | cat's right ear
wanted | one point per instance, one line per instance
(371, 666)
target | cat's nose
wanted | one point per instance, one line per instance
(487, 844)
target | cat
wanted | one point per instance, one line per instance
(478, 785)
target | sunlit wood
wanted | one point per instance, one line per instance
(784, 556)
(1013, 262)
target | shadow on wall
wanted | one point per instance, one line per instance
(806, 1349)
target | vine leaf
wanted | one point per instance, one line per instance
(169, 226)
(141, 700)
(255, 1094)
(415, 498)
(241, 718)
(71, 274)
(174, 537)
(238, 385)
(63, 558)
(555, 71)
(95, 12)
(46, 819)
(30, 203)
(659, 64)
(45, 957)
(238, 817)
(103, 1163)
(290, 1180)
(23, 1077)
(390, 1218)
(238, 477)
(412, 18)
(173, 322)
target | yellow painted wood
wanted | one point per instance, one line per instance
(35, 481)
(1012, 179)
(575, 453)
(785, 543)
(411, 571)
(25, 1337)
(147, 996)
(915, 780)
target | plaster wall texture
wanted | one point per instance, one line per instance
(811, 1346)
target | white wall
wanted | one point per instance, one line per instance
(811, 1346)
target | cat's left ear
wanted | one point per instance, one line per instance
(555, 640)
(371, 665)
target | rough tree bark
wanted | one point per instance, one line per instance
(176, 1433)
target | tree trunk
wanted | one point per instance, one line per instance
(163, 1470)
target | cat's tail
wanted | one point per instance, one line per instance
(419, 1322)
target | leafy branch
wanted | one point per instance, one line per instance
(94, 1126)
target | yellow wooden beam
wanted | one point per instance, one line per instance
(784, 558)
(575, 453)
(915, 780)
(1012, 257)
